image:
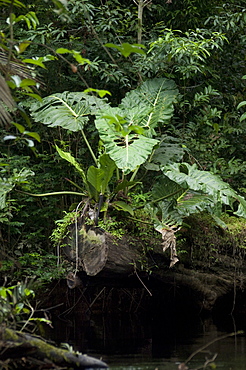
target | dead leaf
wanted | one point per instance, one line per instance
(169, 241)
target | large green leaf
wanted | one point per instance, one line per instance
(174, 212)
(127, 150)
(204, 182)
(100, 177)
(123, 206)
(69, 158)
(127, 131)
(169, 151)
(68, 110)
(165, 188)
(108, 166)
(95, 178)
(192, 202)
(156, 95)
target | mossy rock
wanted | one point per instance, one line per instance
(204, 241)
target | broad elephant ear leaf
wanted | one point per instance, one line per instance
(165, 188)
(206, 183)
(157, 95)
(69, 110)
(127, 131)
(193, 202)
(100, 177)
(127, 151)
(169, 150)
(69, 158)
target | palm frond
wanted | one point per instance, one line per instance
(14, 66)
(6, 102)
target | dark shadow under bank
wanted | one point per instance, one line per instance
(119, 317)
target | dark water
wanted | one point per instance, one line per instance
(131, 330)
(132, 342)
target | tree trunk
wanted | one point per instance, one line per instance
(100, 254)
(93, 250)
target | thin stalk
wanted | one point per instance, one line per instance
(53, 193)
(134, 174)
(138, 220)
(29, 318)
(73, 183)
(89, 147)
(165, 196)
(140, 20)
(11, 31)
(212, 342)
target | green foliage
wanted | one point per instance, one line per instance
(128, 150)
(186, 190)
(14, 304)
(67, 110)
(9, 182)
(126, 131)
(99, 178)
(24, 136)
(16, 309)
(183, 54)
(42, 267)
(16, 3)
(139, 130)
(76, 54)
(127, 135)
(62, 227)
(30, 18)
(113, 226)
(123, 130)
(127, 49)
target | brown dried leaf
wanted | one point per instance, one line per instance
(169, 241)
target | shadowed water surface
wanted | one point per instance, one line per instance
(131, 342)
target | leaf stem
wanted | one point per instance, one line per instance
(53, 193)
(89, 147)
(165, 196)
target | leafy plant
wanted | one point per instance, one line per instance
(24, 135)
(128, 135)
(186, 190)
(16, 310)
(40, 266)
(126, 132)
(240, 105)
(8, 183)
(184, 54)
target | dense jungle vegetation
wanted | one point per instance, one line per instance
(134, 109)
